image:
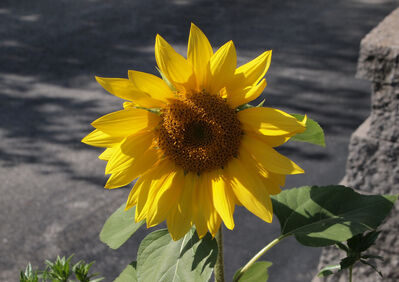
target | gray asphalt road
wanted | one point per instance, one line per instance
(52, 201)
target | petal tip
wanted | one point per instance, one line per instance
(84, 139)
(159, 39)
(100, 80)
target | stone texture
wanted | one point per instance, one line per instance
(373, 159)
(379, 52)
(385, 112)
(372, 167)
(373, 164)
(385, 97)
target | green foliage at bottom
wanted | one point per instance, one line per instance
(60, 271)
(355, 248)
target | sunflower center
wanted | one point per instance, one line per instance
(199, 132)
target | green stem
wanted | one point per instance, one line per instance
(350, 273)
(219, 266)
(259, 254)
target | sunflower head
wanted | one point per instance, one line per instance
(194, 154)
(199, 132)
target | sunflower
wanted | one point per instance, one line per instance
(195, 152)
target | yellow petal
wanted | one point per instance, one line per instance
(204, 214)
(148, 184)
(130, 150)
(139, 197)
(249, 190)
(252, 72)
(178, 224)
(223, 198)
(118, 162)
(125, 89)
(155, 87)
(166, 198)
(199, 52)
(200, 207)
(271, 186)
(127, 169)
(173, 65)
(156, 213)
(214, 223)
(271, 181)
(126, 122)
(269, 121)
(135, 145)
(119, 179)
(221, 68)
(135, 191)
(272, 141)
(279, 179)
(269, 158)
(98, 138)
(179, 218)
(107, 154)
(241, 97)
(132, 198)
(127, 105)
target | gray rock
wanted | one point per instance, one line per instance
(372, 167)
(385, 112)
(385, 97)
(373, 159)
(373, 164)
(379, 52)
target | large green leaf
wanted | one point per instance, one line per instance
(313, 134)
(119, 227)
(161, 259)
(322, 216)
(129, 274)
(255, 273)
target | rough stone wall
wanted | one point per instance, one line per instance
(373, 160)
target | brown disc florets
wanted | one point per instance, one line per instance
(199, 132)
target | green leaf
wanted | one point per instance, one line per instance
(60, 270)
(354, 243)
(129, 274)
(243, 107)
(82, 269)
(29, 275)
(328, 270)
(366, 256)
(322, 216)
(368, 240)
(247, 106)
(342, 247)
(160, 258)
(119, 227)
(261, 103)
(347, 262)
(255, 273)
(372, 266)
(313, 134)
